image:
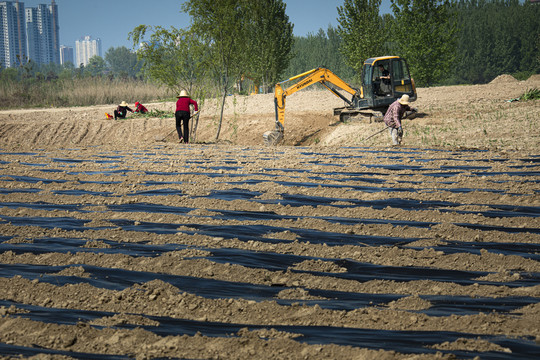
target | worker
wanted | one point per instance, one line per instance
(121, 111)
(140, 108)
(183, 114)
(385, 80)
(393, 117)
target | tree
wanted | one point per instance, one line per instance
(361, 30)
(68, 69)
(320, 49)
(175, 58)
(270, 40)
(96, 65)
(9, 74)
(122, 61)
(424, 32)
(222, 24)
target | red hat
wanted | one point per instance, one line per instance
(136, 103)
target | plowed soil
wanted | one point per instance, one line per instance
(116, 241)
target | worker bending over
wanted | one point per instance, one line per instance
(393, 117)
(140, 108)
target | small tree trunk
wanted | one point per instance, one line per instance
(194, 128)
(221, 116)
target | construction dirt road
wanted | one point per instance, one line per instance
(118, 242)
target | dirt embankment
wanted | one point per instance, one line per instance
(479, 116)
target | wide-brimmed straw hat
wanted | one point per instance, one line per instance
(183, 93)
(404, 100)
(124, 103)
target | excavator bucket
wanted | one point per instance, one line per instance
(272, 137)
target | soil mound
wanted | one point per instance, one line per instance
(505, 78)
(534, 78)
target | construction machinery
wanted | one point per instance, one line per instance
(384, 79)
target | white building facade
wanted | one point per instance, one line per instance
(85, 49)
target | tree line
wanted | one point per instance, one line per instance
(118, 63)
(444, 42)
(465, 42)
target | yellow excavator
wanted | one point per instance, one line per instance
(384, 79)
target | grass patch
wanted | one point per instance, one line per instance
(77, 92)
(531, 94)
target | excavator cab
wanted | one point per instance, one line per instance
(385, 79)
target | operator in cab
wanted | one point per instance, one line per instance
(385, 84)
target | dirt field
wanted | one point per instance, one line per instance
(115, 244)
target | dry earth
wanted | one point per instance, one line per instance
(115, 244)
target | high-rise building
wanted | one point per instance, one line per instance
(12, 34)
(87, 48)
(42, 34)
(28, 34)
(55, 28)
(66, 54)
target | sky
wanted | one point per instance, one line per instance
(112, 20)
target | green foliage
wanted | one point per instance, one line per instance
(156, 113)
(497, 37)
(96, 66)
(174, 58)
(531, 94)
(223, 25)
(424, 34)
(122, 62)
(269, 41)
(9, 74)
(362, 31)
(319, 50)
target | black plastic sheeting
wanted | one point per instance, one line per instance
(406, 342)
(64, 223)
(5, 191)
(73, 245)
(119, 279)
(400, 341)
(266, 260)
(83, 192)
(296, 200)
(30, 179)
(525, 250)
(17, 351)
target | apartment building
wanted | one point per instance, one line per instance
(85, 49)
(12, 34)
(66, 54)
(28, 34)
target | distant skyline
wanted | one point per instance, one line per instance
(112, 20)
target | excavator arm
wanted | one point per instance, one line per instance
(318, 75)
